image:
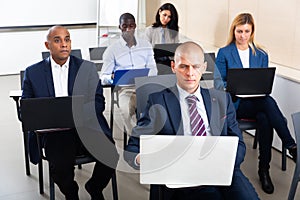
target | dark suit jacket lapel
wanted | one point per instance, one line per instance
(73, 68)
(48, 77)
(215, 109)
(171, 99)
(207, 103)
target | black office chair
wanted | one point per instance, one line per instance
(74, 52)
(296, 176)
(96, 54)
(251, 124)
(33, 120)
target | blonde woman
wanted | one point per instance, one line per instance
(242, 51)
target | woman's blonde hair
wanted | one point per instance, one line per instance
(242, 19)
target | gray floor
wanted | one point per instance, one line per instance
(15, 185)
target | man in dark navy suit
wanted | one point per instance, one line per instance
(167, 113)
(62, 74)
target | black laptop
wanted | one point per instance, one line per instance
(52, 112)
(165, 50)
(250, 81)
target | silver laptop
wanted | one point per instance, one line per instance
(184, 161)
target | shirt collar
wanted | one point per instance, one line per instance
(55, 65)
(124, 43)
(183, 94)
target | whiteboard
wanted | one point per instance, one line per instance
(111, 10)
(47, 12)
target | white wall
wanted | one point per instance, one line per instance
(110, 11)
(43, 12)
(277, 24)
(287, 95)
(23, 48)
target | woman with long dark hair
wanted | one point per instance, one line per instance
(165, 28)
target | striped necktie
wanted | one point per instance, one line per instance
(197, 123)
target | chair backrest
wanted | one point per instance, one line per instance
(296, 123)
(247, 124)
(148, 85)
(164, 67)
(22, 72)
(74, 52)
(211, 60)
(96, 53)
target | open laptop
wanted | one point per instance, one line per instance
(126, 76)
(245, 82)
(162, 50)
(52, 112)
(184, 161)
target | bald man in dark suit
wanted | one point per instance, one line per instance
(171, 107)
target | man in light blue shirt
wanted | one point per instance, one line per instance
(127, 53)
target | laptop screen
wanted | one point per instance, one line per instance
(165, 50)
(186, 160)
(250, 81)
(126, 76)
(51, 112)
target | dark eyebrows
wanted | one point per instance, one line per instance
(58, 37)
(183, 65)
